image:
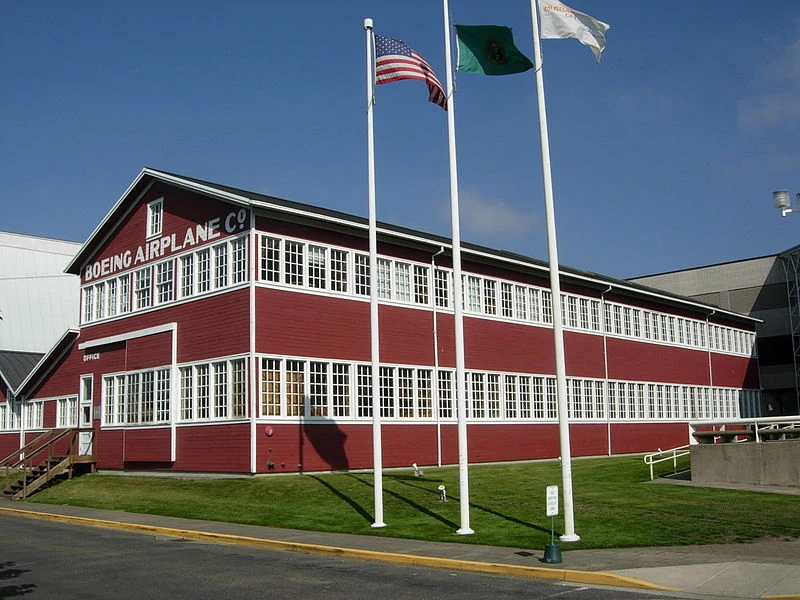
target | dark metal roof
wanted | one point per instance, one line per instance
(16, 366)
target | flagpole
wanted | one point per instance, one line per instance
(555, 286)
(373, 286)
(458, 313)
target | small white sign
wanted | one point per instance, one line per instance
(552, 500)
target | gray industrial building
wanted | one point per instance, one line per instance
(765, 288)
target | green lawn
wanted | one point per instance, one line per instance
(615, 506)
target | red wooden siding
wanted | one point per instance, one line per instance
(646, 437)
(148, 352)
(207, 327)
(182, 210)
(310, 325)
(109, 448)
(735, 371)
(325, 446)
(214, 448)
(638, 361)
(147, 445)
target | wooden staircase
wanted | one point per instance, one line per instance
(53, 454)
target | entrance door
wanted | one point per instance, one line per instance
(85, 419)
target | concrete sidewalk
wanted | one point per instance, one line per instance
(757, 570)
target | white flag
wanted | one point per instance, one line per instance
(560, 21)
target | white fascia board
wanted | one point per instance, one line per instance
(630, 289)
(90, 239)
(46, 358)
(130, 335)
(193, 185)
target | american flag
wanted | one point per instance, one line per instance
(395, 61)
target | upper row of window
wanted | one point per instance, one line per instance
(292, 262)
(318, 267)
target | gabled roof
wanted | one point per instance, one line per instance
(335, 218)
(47, 363)
(16, 366)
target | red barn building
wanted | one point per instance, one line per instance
(228, 331)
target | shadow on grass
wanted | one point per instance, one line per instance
(356, 506)
(411, 503)
(405, 480)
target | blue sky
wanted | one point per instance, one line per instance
(665, 154)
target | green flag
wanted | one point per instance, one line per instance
(489, 50)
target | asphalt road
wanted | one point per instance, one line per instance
(43, 560)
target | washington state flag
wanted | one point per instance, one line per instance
(489, 50)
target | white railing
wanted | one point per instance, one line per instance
(756, 429)
(665, 455)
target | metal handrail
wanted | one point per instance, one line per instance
(753, 425)
(674, 454)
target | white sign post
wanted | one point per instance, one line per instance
(552, 551)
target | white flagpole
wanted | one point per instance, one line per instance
(461, 379)
(555, 286)
(373, 285)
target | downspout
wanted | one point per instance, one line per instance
(708, 346)
(605, 363)
(435, 382)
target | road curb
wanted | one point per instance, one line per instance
(565, 575)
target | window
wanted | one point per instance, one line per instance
(405, 392)
(445, 385)
(386, 382)
(111, 309)
(88, 304)
(203, 270)
(441, 288)
(34, 415)
(421, 276)
(295, 388)
(384, 282)
(547, 306)
(124, 294)
(220, 265)
(239, 273)
(100, 300)
(506, 300)
(424, 393)
(220, 390)
(402, 281)
(338, 270)
(510, 390)
(67, 412)
(362, 274)
(534, 298)
(187, 275)
(148, 398)
(142, 288)
(318, 389)
(155, 217)
(162, 395)
(187, 393)
(520, 302)
(270, 387)
(493, 396)
(316, 267)
(164, 281)
(270, 259)
(203, 392)
(473, 294)
(364, 391)
(341, 390)
(293, 263)
(477, 396)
